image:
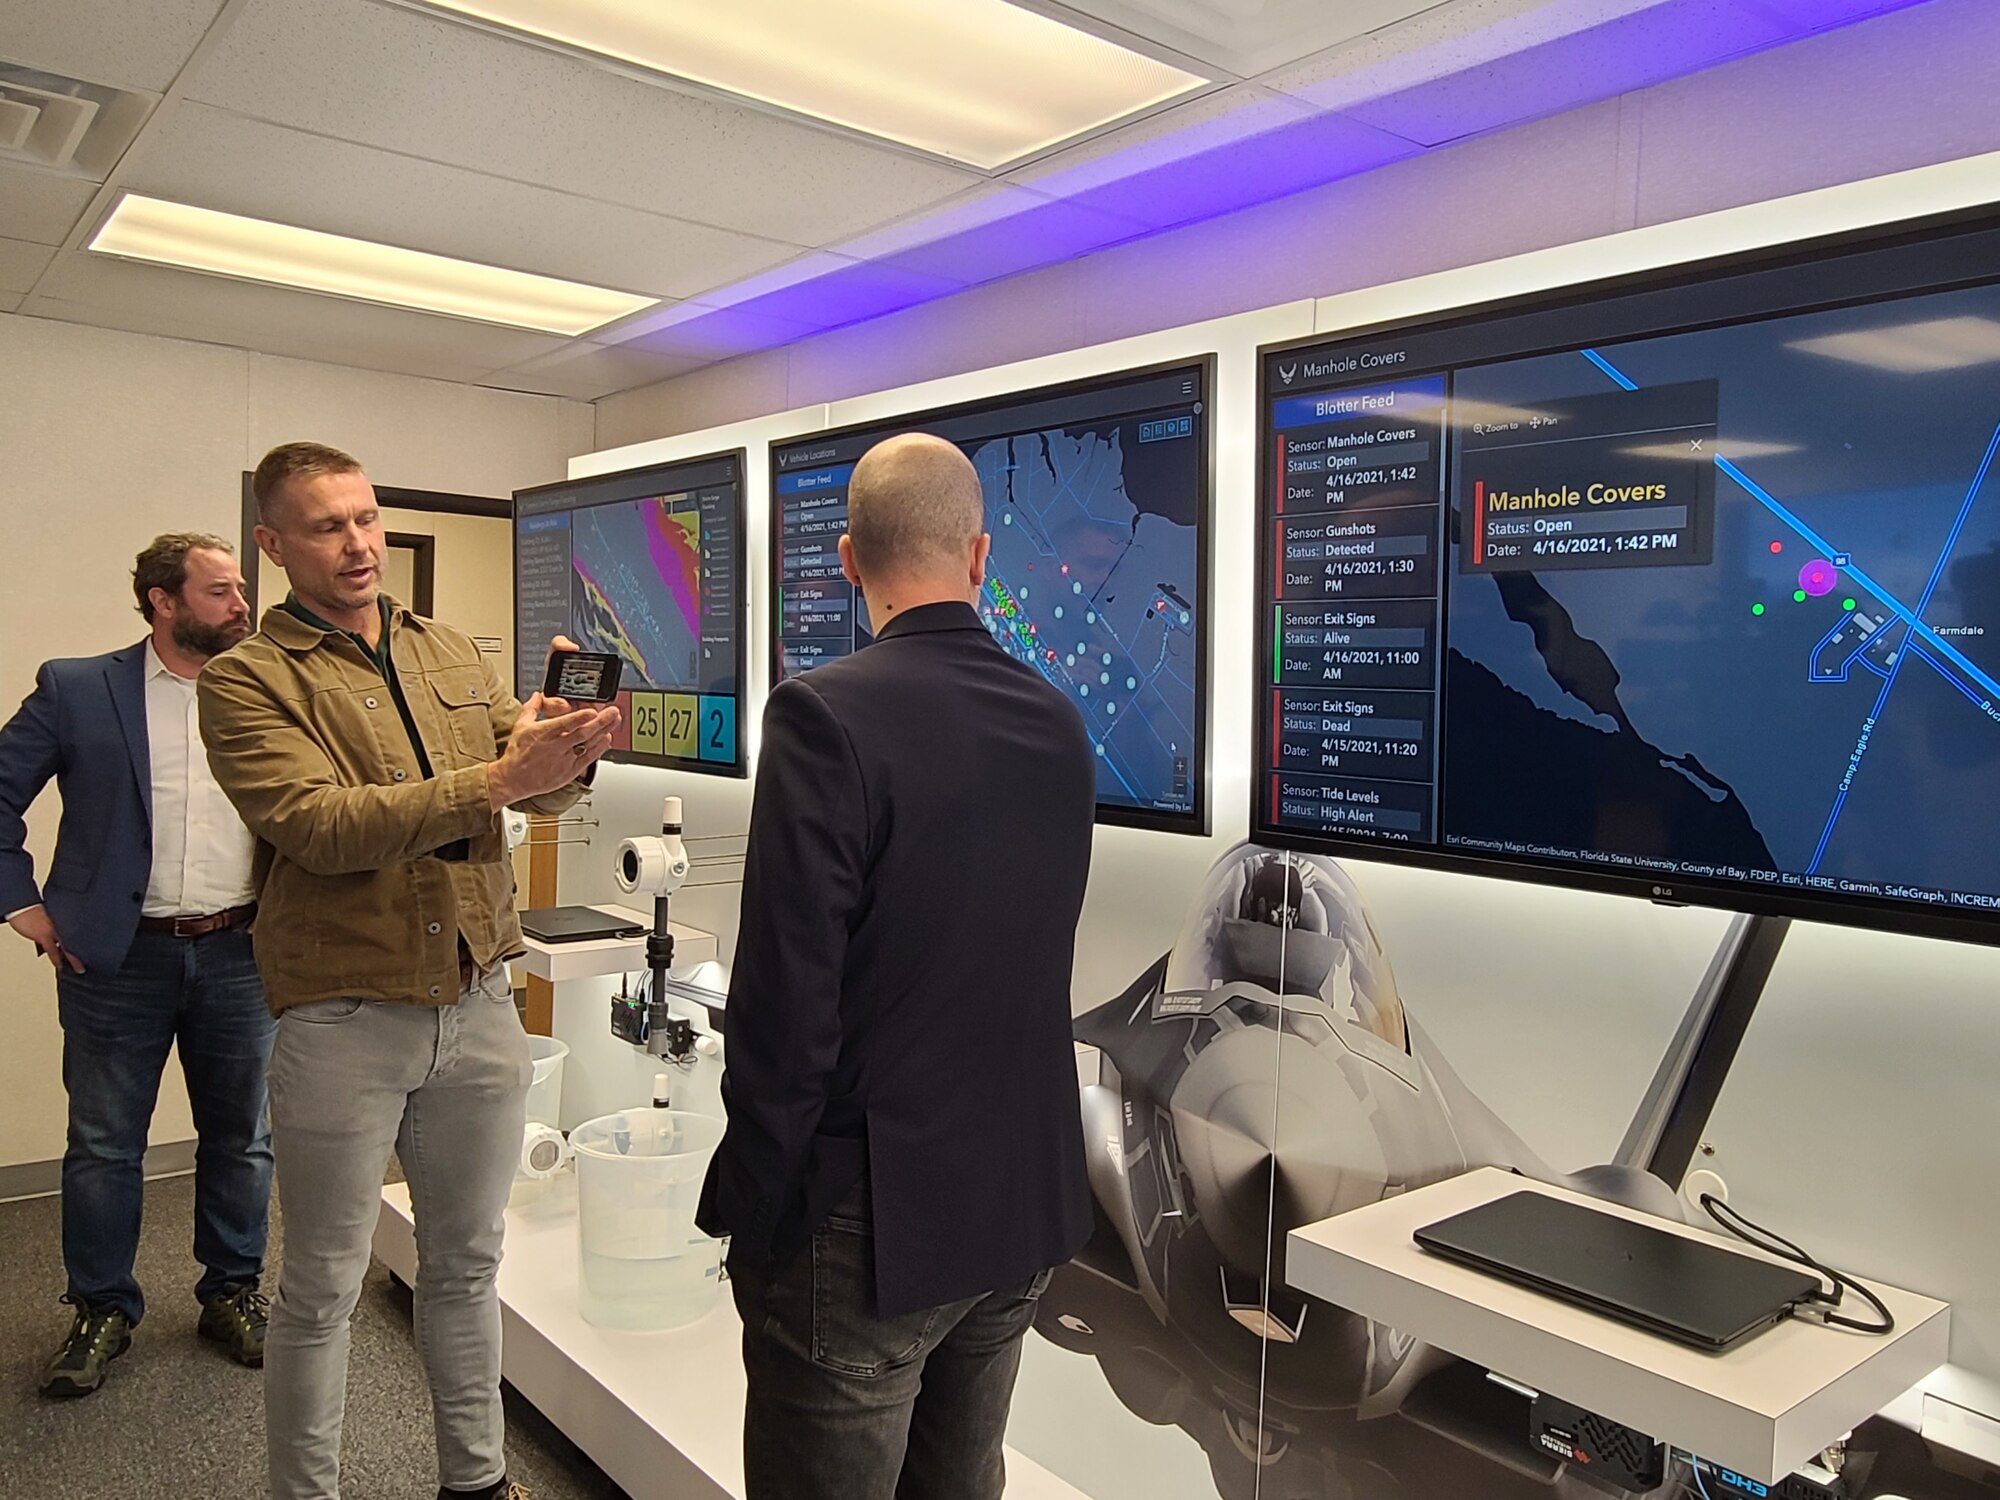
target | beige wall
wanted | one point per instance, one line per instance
(473, 587)
(109, 438)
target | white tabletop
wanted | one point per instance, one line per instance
(560, 961)
(1762, 1409)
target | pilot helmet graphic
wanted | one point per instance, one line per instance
(1286, 931)
(1200, 1143)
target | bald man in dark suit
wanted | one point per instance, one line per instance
(904, 1160)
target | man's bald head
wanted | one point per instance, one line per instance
(914, 509)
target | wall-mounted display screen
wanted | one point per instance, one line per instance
(1097, 500)
(1687, 589)
(648, 565)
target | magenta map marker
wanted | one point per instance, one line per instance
(1818, 577)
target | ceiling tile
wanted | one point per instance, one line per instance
(708, 334)
(1266, 147)
(1215, 119)
(1006, 232)
(830, 291)
(586, 372)
(21, 263)
(106, 41)
(1631, 52)
(40, 206)
(1249, 39)
(207, 157)
(9, 302)
(1434, 43)
(183, 304)
(412, 83)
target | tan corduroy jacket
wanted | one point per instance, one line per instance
(367, 870)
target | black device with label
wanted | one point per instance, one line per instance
(1600, 1449)
(1678, 1286)
(583, 676)
(1809, 1483)
(576, 924)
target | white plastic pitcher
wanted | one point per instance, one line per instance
(545, 1090)
(642, 1263)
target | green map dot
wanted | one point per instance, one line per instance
(1799, 596)
(1756, 609)
(1847, 604)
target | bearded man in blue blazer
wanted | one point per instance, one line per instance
(144, 913)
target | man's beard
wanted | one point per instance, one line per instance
(198, 638)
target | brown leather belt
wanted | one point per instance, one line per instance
(201, 926)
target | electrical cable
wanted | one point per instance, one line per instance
(1694, 1467)
(1772, 1243)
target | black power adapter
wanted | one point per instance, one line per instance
(1599, 1448)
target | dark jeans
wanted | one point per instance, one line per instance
(202, 993)
(845, 1403)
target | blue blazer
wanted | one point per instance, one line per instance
(85, 726)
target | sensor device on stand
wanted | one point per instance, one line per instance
(657, 867)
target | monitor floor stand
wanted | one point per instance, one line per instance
(1666, 1131)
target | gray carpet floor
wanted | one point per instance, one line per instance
(177, 1418)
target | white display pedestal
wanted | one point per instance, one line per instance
(1763, 1409)
(661, 1413)
(557, 962)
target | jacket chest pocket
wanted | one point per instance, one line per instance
(356, 726)
(463, 699)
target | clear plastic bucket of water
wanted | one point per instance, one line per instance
(545, 1090)
(643, 1264)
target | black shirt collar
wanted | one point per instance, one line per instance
(378, 653)
(921, 619)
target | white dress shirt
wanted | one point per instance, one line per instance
(201, 850)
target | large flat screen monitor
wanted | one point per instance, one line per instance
(647, 563)
(1685, 587)
(1097, 500)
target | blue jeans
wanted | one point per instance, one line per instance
(845, 1404)
(204, 994)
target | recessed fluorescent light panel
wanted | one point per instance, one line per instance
(978, 81)
(201, 239)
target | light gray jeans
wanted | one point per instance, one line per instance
(447, 1088)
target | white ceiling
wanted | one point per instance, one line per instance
(375, 119)
(1248, 37)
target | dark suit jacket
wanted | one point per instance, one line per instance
(84, 725)
(899, 1003)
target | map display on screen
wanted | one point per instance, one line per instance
(645, 565)
(1096, 501)
(1711, 608)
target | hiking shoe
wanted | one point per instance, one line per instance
(236, 1319)
(96, 1337)
(504, 1490)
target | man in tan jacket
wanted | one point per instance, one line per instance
(371, 752)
